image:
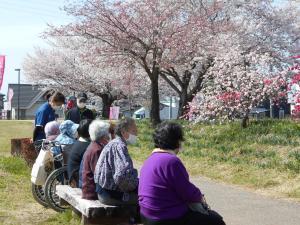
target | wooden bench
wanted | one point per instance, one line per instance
(92, 211)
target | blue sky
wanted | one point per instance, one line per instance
(21, 23)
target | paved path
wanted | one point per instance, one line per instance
(241, 207)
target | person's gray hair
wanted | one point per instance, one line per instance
(98, 129)
(124, 125)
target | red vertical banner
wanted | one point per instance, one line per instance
(10, 95)
(2, 67)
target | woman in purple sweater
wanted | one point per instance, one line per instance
(166, 195)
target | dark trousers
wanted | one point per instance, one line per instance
(115, 198)
(190, 218)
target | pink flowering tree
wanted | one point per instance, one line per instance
(231, 90)
(247, 60)
(152, 33)
(294, 88)
(258, 30)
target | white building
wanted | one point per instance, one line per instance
(168, 110)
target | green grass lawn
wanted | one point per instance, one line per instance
(265, 157)
(16, 203)
(13, 129)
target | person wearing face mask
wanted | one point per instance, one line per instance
(100, 136)
(166, 195)
(115, 176)
(46, 113)
(80, 112)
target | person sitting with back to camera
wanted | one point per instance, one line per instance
(100, 136)
(166, 195)
(77, 151)
(52, 130)
(66, 138)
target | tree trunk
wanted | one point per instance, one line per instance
(245, 121)
(106, 103)
(154, 110)
(184, 99)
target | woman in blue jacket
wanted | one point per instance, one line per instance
(46, 113)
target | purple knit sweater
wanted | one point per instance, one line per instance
(164, 187)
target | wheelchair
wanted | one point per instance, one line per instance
(56, 171)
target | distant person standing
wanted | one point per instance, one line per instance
(46, 113)
(80, 112)
(71, 103)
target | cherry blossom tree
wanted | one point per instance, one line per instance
(185, 72)
(260, 29)
(189, 44)
(65, 68)
(152, 33)
(254, 50)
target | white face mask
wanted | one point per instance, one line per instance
(56, 107)
(81, 105)
(132, 139)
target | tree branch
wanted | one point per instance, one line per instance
(163, 75)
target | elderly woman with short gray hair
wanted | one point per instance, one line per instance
(100, 136)
(115, 176)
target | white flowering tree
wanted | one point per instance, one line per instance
(68, 67)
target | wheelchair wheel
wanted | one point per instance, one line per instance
(57, 177)
(39, 194)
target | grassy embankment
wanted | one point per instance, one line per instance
(265, 156)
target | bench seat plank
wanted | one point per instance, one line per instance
(73, 197)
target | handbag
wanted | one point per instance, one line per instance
(201, 207)
(39, 169)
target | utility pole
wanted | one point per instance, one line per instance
(19, 71)
(170, 109)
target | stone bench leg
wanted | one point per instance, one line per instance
(84, 220)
